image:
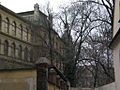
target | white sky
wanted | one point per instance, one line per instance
(28, 5)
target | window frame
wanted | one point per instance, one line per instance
(14, 27)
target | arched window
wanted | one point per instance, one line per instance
(26, 54)
(21, 31)
(26, 34)
(0, 22)
(6, 47)
(7, 25)
(14, 28)
(20, 51)
(13, 49)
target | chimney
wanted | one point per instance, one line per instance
(36, 7)
(36, 14)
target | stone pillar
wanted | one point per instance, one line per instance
(42, 74)
(36, 7)
(53, 75)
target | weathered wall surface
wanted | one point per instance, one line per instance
(111, 86)
(81, 88)
(18, 80)
(116, 59)
(52, 87)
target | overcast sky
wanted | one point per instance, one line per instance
(27, 5)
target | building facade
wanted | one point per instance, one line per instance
(15, 40)
(21, 37)
(27, 39)
(45, 37)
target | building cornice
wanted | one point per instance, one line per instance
(14, 14)
(15, 38)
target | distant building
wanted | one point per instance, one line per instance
(27, 40)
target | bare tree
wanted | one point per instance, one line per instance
(86, 27)
(77, 23)
(86, 31)
(108, 5)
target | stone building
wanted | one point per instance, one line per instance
(45, 38)
(28, 41)
(15, 40)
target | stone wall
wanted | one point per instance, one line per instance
(81, 88)
(18, 80)
(111, 86)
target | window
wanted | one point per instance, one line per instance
(13, 49)
(27, 33)
(21, 31)
(29, 36)
(0, 22)
(7, 25)
(14, 28)
(26, 54)
(6, 47)
(20, 51)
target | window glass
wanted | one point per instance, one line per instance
(20, 51)
(7, 25)
(13, 49)
(26, 54)
(6, 47)
(0, 22)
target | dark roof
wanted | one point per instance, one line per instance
(12, 13)
(114, 39)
